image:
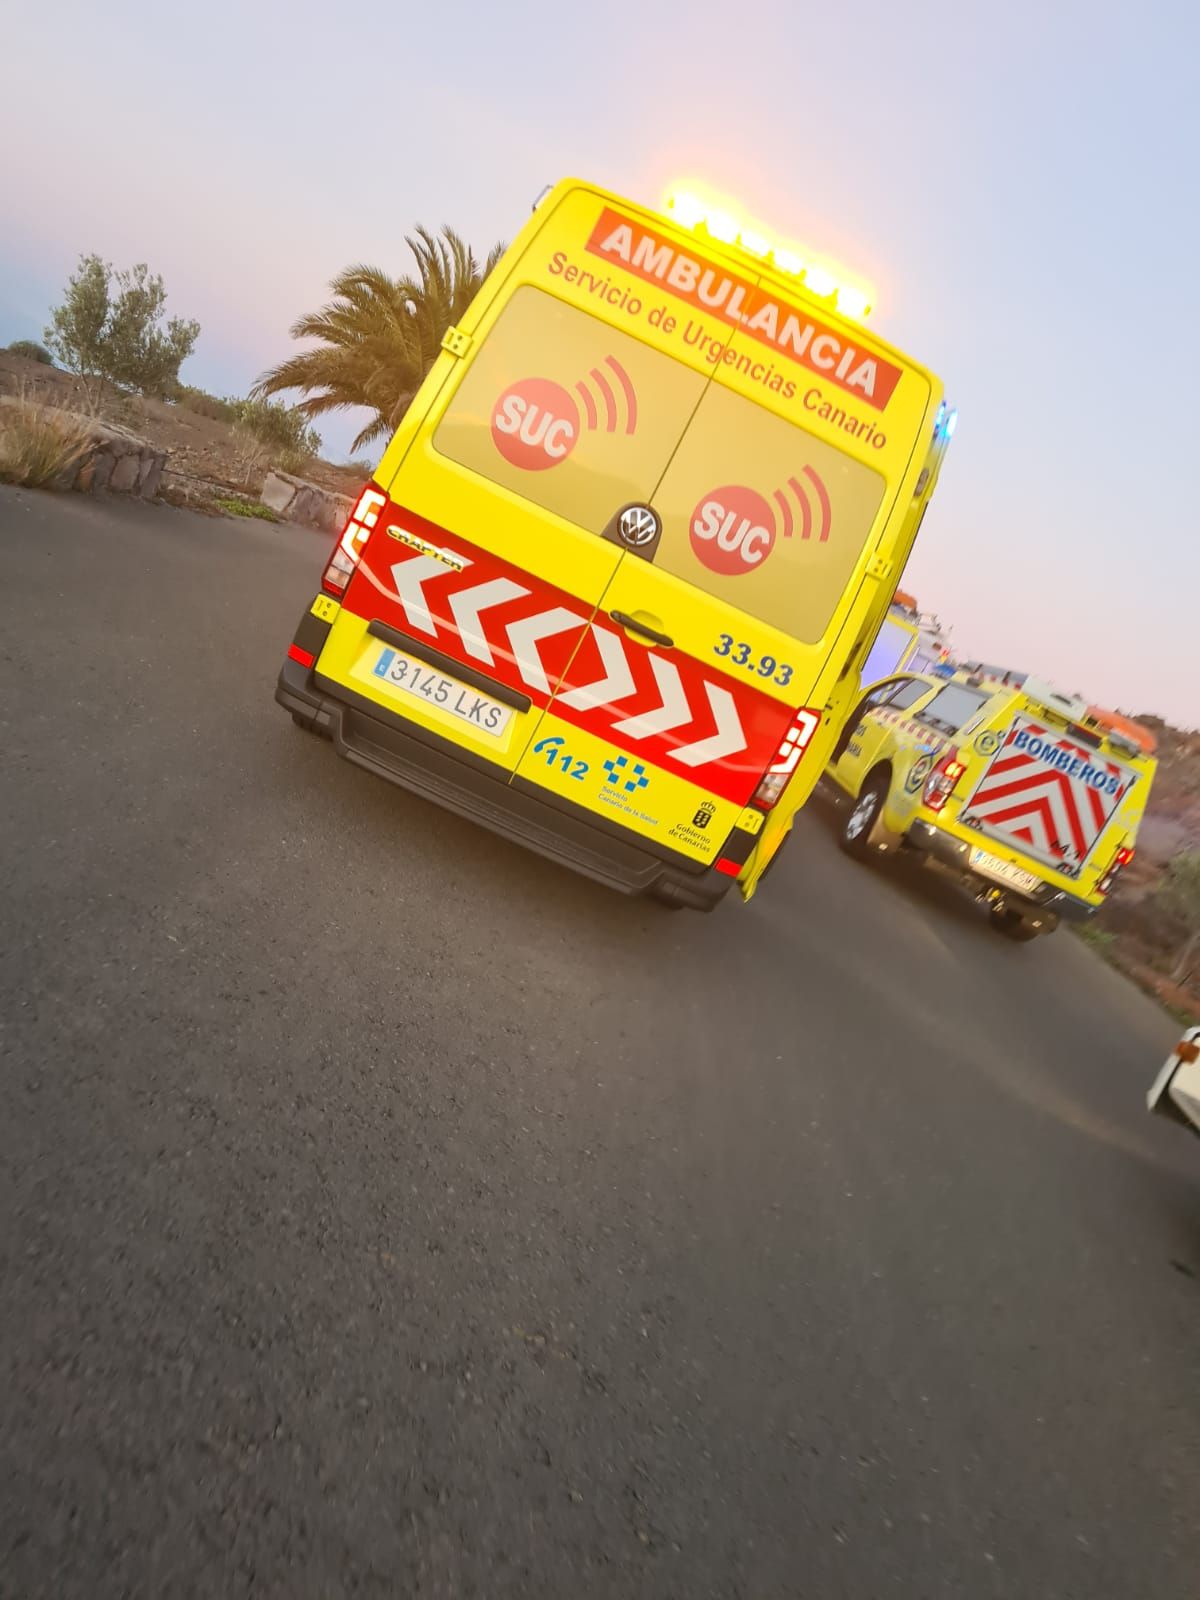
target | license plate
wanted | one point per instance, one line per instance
(993, 867)
(436, 689)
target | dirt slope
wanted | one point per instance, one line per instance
(199, 447)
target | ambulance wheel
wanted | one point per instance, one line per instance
(855, 838)
(1017, 926)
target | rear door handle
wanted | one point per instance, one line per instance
(635, 626)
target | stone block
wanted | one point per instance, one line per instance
(148, 487)
(278, 491)
(125, 474)
(102, 470)
(306, 503)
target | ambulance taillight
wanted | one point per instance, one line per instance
(787, 758)
(940, 784)
(349, 548)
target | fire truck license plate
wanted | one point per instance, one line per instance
(993, 867)
(414, 678)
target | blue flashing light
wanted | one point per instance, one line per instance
(951, 424)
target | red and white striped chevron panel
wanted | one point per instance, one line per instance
(1046, 791)
(661, 705)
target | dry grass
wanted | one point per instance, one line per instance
(251, 460)
(39, 447)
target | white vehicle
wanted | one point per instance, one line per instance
(1176, 1091)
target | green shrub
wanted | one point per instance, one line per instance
(32, 351)
(283, 430)
(120, 336)
(245, 508)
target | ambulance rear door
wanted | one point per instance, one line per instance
(488, 563)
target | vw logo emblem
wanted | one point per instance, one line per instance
(638, 526)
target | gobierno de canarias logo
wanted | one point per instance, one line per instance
(734, 528)
(537, 422)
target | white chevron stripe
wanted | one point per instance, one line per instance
(672, 713)
(1030, 800)
(729, 738)
(1036, 823)
(524, 636)
(466, 605)
(617, 682)
(410, 577)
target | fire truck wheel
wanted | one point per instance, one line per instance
(855, 838)
(1020, 927)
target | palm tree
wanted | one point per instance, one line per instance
(379, 336)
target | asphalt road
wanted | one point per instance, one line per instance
(385, 1211)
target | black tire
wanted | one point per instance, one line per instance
(860, 820)
(1017, 926)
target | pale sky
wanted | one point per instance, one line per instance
(1018, 180)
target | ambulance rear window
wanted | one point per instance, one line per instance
(581, 419)
(764, 516)
(566, 411)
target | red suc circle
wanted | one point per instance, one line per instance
(733, 530)
(535, 424)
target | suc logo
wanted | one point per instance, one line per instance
(733, 528)
(535, 424)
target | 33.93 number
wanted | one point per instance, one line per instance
(740, 654)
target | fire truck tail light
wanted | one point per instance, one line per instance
(354, 536)
(787, 758)
(1122, 858)
(939, 786)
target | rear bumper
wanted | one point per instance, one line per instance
(384, 743)
(956, 854)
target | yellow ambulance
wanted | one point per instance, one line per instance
(1024, 793)
(611, 586)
